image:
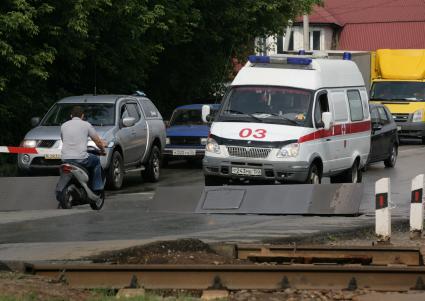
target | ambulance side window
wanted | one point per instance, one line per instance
(356, 105)
(322, 105)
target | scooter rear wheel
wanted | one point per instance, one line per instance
(66, 197)
(99, 204)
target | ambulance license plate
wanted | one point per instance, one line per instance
(246, 171)
(52, 156)
(184, 152)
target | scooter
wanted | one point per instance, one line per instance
(73, 186)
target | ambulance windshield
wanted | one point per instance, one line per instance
(267, 104)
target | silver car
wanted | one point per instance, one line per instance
(132, 126)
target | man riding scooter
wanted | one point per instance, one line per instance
(75, 134)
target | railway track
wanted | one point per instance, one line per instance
(273, 268)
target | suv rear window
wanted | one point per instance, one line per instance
(149, 108)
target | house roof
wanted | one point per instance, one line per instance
(374, 24)
(342, 12)
(395, 35)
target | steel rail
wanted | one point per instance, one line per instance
(235, 277)
(376, 255)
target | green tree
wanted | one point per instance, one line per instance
(176, 50)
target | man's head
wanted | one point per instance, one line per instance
(77, 111)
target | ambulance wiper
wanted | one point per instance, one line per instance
(284, 118)
(243, 113)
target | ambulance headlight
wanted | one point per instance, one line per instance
(167, 141)
(204, 141)
(212, 146)
(418, 116)
(29, 143)
(289, 151)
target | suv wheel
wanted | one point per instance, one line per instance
(153, 167)
(115, 174)
(392, 159)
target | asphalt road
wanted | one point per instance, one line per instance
(124, 218)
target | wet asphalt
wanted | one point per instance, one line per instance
(125, 215)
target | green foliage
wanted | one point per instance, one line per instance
(176, 50)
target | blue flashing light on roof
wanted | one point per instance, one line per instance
(259, 59)
(301, 52)
(346, 56)
(299, 61)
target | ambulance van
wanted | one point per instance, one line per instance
(290, 119)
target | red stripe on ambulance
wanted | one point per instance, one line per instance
(336, 130)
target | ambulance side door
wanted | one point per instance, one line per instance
(338, 135)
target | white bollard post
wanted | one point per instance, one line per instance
(382, 212)
(416, 207)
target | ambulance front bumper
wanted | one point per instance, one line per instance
(236, 168)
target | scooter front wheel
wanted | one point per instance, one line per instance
(66, 197)
(97, 205)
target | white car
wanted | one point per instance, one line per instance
(290, 119)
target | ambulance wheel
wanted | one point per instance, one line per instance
(352, 175)
(214, 181)
(314, 176)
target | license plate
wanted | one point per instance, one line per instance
(184, 152)
(398, 128)
(246, 171)
(52, 156)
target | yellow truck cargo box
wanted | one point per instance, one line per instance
(401, 64)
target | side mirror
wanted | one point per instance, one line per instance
(206, 111)
(327, 120)
(129, 121)
(376, 126)
(35, 121)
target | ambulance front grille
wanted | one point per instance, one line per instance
(248, 152)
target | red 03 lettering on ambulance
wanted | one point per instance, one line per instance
(258, 133)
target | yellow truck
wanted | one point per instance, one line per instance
(398, 81)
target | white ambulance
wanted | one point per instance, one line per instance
(290, 119)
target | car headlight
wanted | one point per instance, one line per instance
(212, 146)
(204, 141)
(418, 115)
(167, 141)
(289, 151)
(29, 143)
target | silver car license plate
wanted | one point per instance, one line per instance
(184, 152)
(52, 156)
(240, 171)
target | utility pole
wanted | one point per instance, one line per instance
(306, 34)
(287, 35)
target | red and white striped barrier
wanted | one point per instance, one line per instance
(416, 207)
(383, 212)
(29, 150)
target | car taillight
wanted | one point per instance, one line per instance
(66, 168)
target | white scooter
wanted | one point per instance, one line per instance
(73, 186)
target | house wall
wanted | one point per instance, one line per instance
(267, 46)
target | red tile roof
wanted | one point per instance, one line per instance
(372, 36)
(368, 11)
(373, 24)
